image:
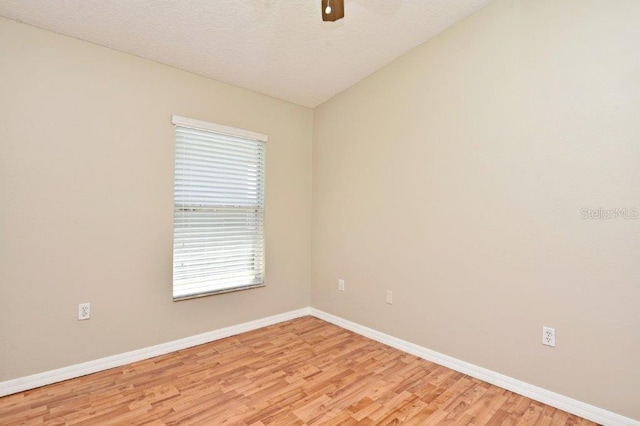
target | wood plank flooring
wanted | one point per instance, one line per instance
(304, 371)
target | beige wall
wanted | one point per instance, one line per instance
(455, 177)
(86, 201)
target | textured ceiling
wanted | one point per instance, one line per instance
(277, 47)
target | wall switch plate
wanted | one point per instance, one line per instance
(549, 336)
(341, 284)
(84, 311)
(389, 297)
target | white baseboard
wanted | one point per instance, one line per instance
(553, 399)
(536, 393)
(48, 377)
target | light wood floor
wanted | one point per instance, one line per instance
(304, 371)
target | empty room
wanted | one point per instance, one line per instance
(320, 212)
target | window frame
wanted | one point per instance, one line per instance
(220, 131)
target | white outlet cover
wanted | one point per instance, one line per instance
(549, 336)
(341, 285)
(84, 311)
(389, 297)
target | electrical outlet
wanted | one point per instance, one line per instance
(341, 284)
(390, 297)
(548, 336)
(84, 311)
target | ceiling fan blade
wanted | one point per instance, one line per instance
(336, 12)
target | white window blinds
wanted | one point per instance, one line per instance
(218, 227)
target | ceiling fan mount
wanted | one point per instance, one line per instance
(332, 10)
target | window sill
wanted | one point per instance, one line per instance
(213, 293)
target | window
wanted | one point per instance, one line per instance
(218, 218)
